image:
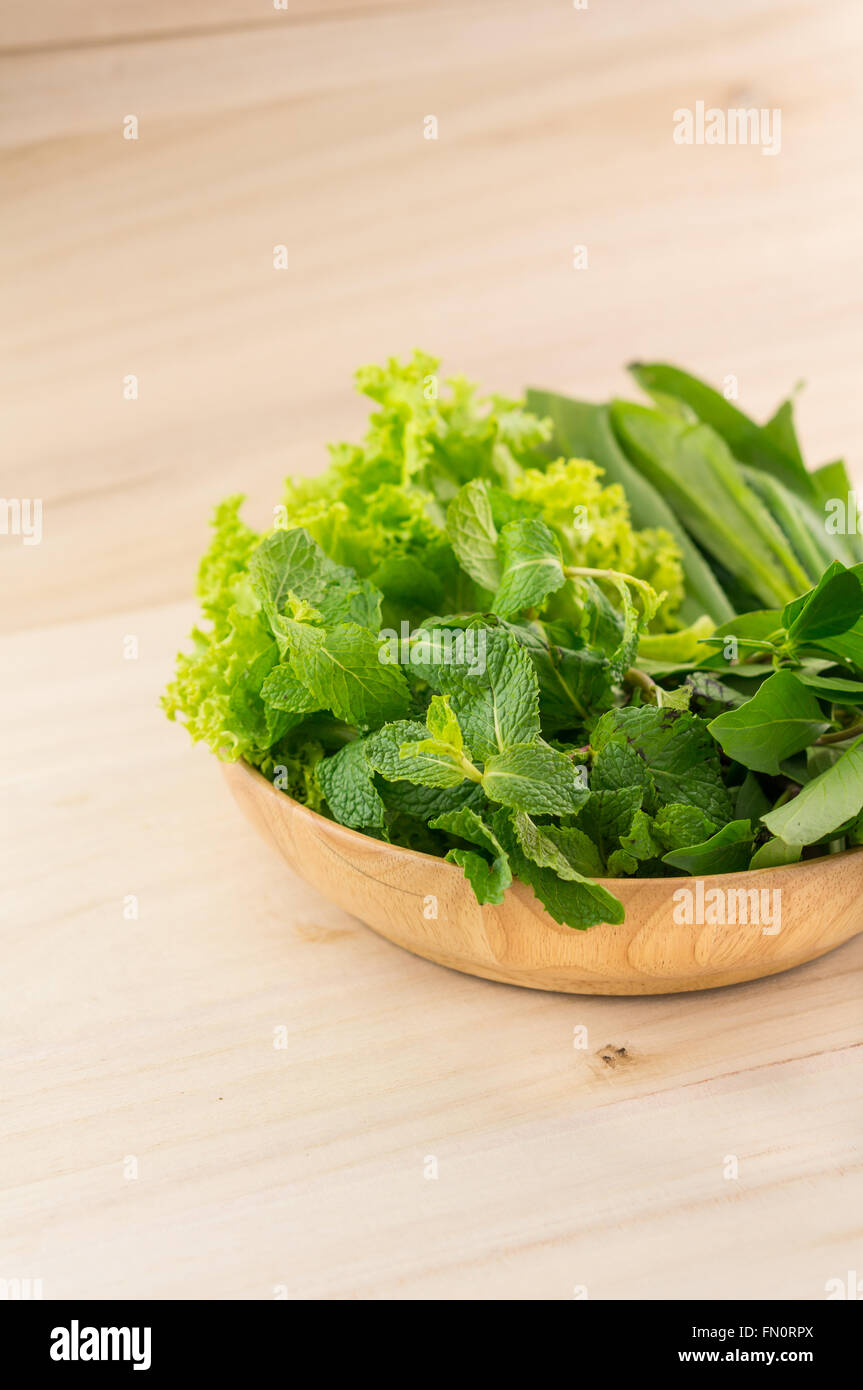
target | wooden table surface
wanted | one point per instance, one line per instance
(157, 1139)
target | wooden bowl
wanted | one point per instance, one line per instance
(398, 891)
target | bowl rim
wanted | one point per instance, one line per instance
(682, 880)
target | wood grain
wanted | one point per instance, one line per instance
(578, 1140)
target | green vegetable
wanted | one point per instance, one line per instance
(488, 880)
(585, 430)
(568, 896)
(774, 853)
(498, 706)
(671, 753)
(531, 567)
(830, 800)
(535, 778)
(800, 523)
(772, 448)
(724, 853)
(473, 534)
(782, 717)
(347, 783)
(695, 469)
(550, 641)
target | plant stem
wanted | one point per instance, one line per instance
(643, 681)
(473, 773)
(840, 735)
(585, 572)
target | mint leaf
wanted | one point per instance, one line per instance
(497, 706)
(607, 815)
(573, 680)
(535, 778)
(348, 787)
(383, 747)
(640, 841)
(343, 672)
(433, 763)
(639, 845)
(426, 803)
(617, 766)
(677, 826)
(568, 897)
(634, 625)
(781, 718)
(565, 849)
(284, 691)
(290, 564)
(678, 754)
(442, 723)
(531, 567)
(577, 847)
(489, 881)
(473, 534)
(402, 751)
(621, 863)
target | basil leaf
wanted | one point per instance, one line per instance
(726, 852)
(828, 801)
(782, 717)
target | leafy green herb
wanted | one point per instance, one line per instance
(348, 785)
(695, 469)
(473, 534)
(531, 567)
(830, 800)
(535, 778)
(489, 880)
(548, 640)
(782, 717)
(724, 853)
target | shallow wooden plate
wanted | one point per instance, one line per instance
(428, 907)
